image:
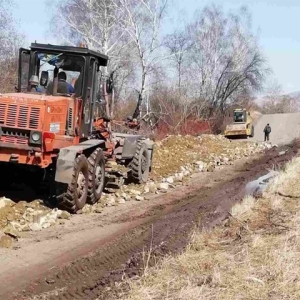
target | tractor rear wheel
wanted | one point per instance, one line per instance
(74, 196)
(140, 164)
(96, 176)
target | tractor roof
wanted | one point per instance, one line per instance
(103, 59)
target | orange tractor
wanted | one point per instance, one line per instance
(52, 130)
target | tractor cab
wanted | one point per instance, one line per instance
(62, 71)
(239, 116)
(40, 66)
(59, 95)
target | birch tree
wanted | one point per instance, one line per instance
(97, 24)
(178, 45)
(143, 23)
(11, 40)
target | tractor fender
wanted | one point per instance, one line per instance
(66, 158)
(130, 144)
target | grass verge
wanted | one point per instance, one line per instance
(254, 254)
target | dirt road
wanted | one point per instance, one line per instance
(80, 260)
(285, 127)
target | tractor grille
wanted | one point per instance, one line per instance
(70, 118)
(13, 136)
(18, 116)
(14, 140)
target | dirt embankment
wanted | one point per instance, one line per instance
(163, 226)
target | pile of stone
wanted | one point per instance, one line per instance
(176, 159)
(21, 217)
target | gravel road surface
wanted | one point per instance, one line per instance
(285, 128)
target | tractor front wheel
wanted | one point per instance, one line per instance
(140, 164)
(73, 197)
(96, 176)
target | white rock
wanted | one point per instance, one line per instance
(5, 201)
(139, 198)
(179, 176)
(125, 196)
(98, 210)
(12, 231)
(268, 145)
(152, 187)
(170, 180)
(146, 189)
(186, 173)
(35, 227)
(87, 209)
(110, 201)
(63, 215)
(46, 225)
(201, 166)
(282, 152)
(164, 186)
(134, 192)
(225, 159)
(122, 200)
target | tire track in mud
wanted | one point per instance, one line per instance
(166, 229)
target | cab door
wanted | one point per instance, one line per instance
(89, 99)
(23, 72)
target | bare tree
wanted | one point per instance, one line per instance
(97, 24)
(93, 22)
(142, 23)
(178, 44)
(224, 58)
(277, 102)
(10, 40)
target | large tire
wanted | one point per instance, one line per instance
(96, 176)
(140, 164)
(74, 197)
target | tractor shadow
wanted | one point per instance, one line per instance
(241, 138)
(18, 192)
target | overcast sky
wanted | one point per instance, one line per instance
(277, 20)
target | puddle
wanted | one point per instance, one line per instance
(258, 186)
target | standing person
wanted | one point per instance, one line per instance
(267, 132)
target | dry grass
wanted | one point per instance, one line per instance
(255, 254)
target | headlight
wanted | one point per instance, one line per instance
(36, 137)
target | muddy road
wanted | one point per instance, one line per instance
(83, 259)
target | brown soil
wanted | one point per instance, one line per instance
(85, 260)
(176, 151)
